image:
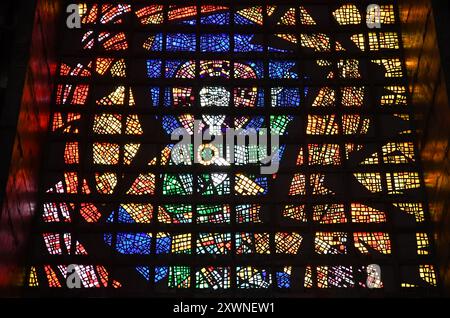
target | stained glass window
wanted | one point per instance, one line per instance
(129, 210)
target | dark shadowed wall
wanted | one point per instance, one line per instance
(426, 36)
(28, 64)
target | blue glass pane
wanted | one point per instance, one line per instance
(282, 69)
(189, 22)
(256, 122)
(243, 43)
(215, 43)
(283, 280)
(155, 43)
(154, 68)
(107, 237)
(262, 181)
(167, 97)
(124, 217)
(170, 123)
(144, 271)
(161, 273)
(154, 92)
(181, 42)
(163, 245)
(257, 66)
(273, 49)
(217, 19)
(285, 97)
(110, 218)
(277, 155)
(260, 102)
(172, 66)
(133, 243)
(239, 19)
